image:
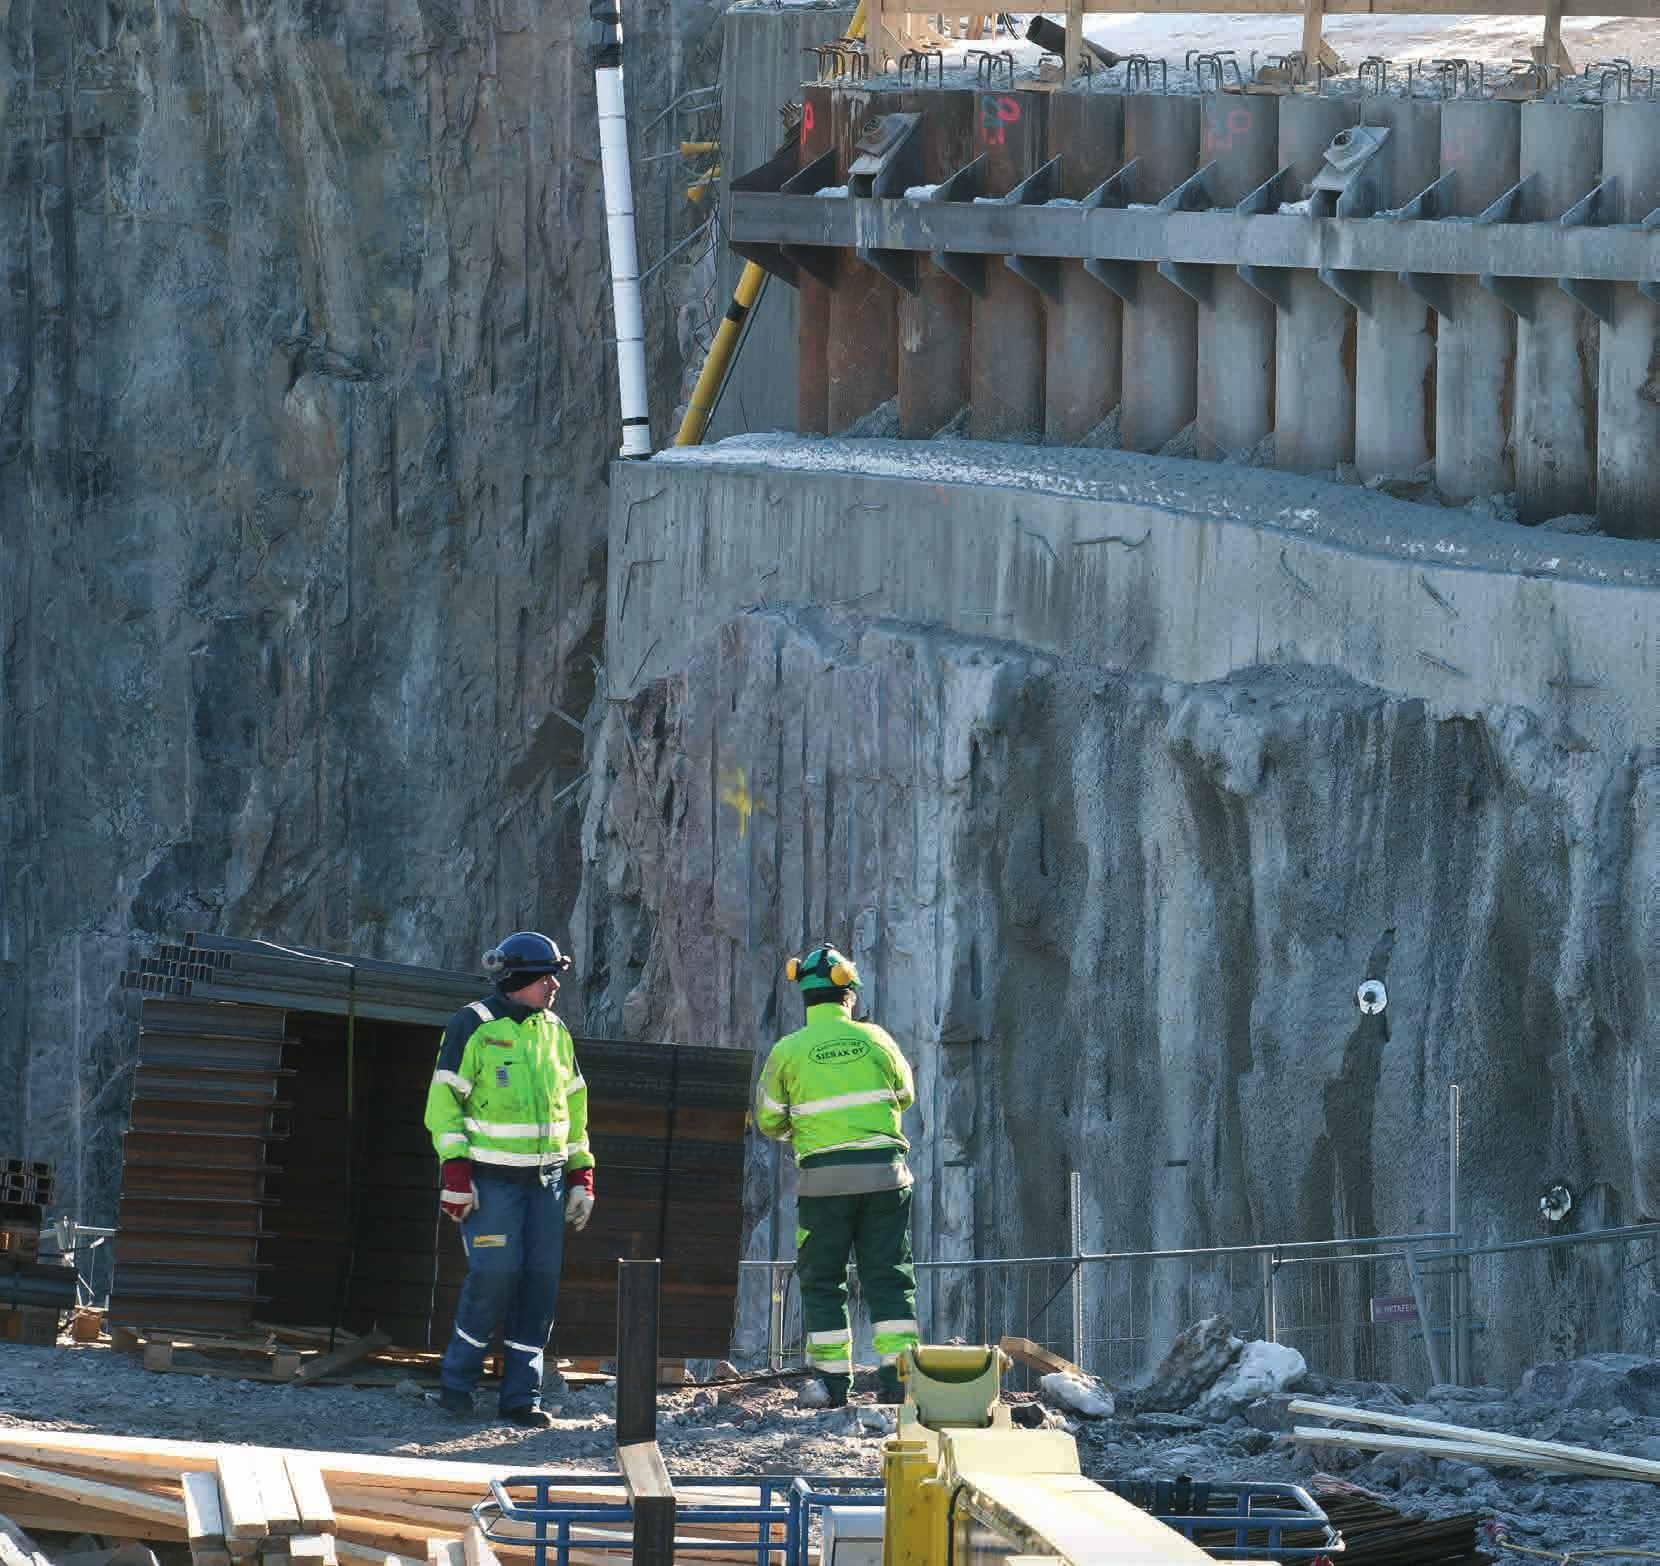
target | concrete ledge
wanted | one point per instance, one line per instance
(1189, 570)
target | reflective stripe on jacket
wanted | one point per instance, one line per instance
(507, 1091)
(835, 1085)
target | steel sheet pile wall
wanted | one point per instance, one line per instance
(1477, 301)
(346, 1229)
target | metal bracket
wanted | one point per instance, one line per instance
(812, 179)
(1042, 272)
(773, 175)
(1197, 281)
(1271, 195)
(1651, 290)
(1118, 277)
(1117, 191)
(1435, 289)
(1193, 194)
(1512, 204)
(1434, 201)
(1593, 211)
(1518, 295)
(1353, 288)
(1272, 282)
(967, 269)
(1590, 295)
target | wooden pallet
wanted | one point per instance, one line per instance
(261, 1358)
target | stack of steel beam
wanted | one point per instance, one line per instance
(254, 1044)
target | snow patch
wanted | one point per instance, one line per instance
(1262, 1368)
(1082, 1394)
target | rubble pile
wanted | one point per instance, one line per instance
(1234, 1423)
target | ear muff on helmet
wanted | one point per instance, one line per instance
(827, 966)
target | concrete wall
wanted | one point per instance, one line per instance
(1117, 780)
(1187, 570)
(763, 66)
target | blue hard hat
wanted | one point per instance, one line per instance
(525, 954)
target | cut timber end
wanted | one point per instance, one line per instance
(311, 1495)
(158, 1356)
(241, 1499)
(282, 1511)
(203, 1519)
(446, 1552)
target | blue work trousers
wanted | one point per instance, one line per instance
(515, 1241)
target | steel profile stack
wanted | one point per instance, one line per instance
(247, 1047)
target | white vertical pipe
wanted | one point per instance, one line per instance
(625, 264)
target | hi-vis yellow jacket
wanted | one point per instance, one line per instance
(508, 1093)
(835, 1086)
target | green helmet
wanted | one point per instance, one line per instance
(823, 968)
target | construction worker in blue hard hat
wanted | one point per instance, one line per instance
(837, 1089)
(508, 1113)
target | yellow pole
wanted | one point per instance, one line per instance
(720, 355)
(725, 345)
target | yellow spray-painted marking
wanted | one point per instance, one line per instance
(734, 791)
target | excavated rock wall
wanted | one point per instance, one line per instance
(306, 399)
(1118, 923)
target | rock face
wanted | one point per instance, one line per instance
(1119, 924)
(305, 406)
(1599, 1381)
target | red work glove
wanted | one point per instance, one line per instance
(579, 1197)
(458, 1198)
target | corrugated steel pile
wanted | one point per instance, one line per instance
(277, 1163)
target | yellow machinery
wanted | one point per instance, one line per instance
(966, 1488)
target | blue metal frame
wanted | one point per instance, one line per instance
(783, 1516)
(790, 1503)
(1214, 1507)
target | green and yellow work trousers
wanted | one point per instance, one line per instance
(875, 1226)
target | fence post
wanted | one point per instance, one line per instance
(1455, 1311)
(1075, 1201)
(1425, 1325)
(1270, 1315)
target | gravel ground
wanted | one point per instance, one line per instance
(754, 1427)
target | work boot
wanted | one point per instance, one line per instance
(888, 1387)
(451, 1401)
(528, 1418)
(825, 1392)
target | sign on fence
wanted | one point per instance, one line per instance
(1393, 1307)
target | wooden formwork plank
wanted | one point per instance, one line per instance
(204, 1518)
(310, 1493)
(241, 1496)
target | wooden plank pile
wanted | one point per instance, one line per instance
(1486, 1448)
(262, 1506)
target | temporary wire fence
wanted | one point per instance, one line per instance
(1409, 1309)
(1558, 1296)
(1117, 1313)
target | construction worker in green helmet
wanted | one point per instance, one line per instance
(836, 1089)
